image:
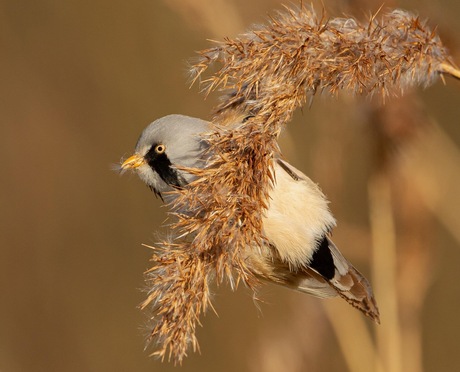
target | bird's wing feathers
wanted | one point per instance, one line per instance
(324, 271)
(351, 285)
(269, 266)
(347, 283)
(309, 281)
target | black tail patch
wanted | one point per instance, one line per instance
(322, 261)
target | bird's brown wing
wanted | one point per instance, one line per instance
(351, 285)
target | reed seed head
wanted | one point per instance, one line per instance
(263, 76)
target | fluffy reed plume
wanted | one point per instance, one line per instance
(299, 53)
(265, 75)
(178, 285)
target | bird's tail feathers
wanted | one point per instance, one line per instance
(352, 286)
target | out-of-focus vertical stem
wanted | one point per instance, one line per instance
(354, 339)
(437, 185)
(384, 271)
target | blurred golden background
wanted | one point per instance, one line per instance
(81, 79)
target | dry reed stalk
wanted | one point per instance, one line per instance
(359, 354)
(416, 263)
(398, 128)
(437, 186)
(265, 75)
(384, 270)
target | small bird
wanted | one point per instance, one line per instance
(297, 223)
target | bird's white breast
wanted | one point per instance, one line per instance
(297, 217)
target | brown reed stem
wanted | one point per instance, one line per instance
(360, 354)
(384, 271)
(448, 69)
(437, 186)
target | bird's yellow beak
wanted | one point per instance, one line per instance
(132, 162)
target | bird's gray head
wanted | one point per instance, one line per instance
(171, 141)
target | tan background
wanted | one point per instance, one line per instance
(78, 82)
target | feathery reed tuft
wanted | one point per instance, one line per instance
(178, 286)
(265, 75)
(299, 53)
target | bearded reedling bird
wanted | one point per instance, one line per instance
(297, 223)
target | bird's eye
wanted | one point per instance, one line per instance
(160, 149)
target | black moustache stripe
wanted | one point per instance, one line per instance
(161, 164)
